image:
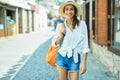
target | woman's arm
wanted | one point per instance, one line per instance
(59, 39)
(83, 64)
(62, 34)
(85, 49)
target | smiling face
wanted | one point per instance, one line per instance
(69, 11)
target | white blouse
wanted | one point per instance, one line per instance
(75, 42)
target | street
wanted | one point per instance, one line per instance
(34, 66)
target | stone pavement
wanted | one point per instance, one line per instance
(34, 66)
(19, 48)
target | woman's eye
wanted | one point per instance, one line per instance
(66, 9)
(71, 9)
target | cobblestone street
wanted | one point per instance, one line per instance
(35, 67)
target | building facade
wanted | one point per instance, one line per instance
(19, 17)
(103, 21)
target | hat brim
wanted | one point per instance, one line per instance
(67, 3)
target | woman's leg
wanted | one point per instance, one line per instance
(74, 75)
(63, 73)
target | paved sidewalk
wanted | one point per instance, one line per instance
(12, 49)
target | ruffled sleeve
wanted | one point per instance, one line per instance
(85, 48)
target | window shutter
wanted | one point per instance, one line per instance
(102, 36)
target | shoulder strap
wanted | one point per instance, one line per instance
(63, 26)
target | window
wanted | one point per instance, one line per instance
(116, 42)
(117, 8)
(114, 26)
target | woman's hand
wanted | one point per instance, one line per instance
(83, 64)
(63, 31)
(62, 34)
(82, 68)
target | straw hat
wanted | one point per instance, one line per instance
(72, 3)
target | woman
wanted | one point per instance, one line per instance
(73, 40)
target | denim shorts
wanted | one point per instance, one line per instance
(68, 63)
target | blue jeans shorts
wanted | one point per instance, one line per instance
(68, 63)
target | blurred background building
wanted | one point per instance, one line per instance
(21, 16)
